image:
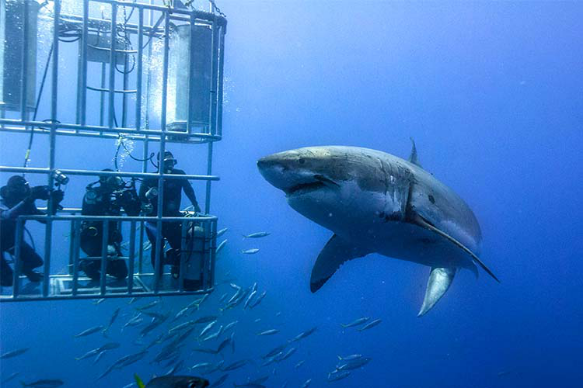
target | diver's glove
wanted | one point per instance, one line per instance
(40, 192)
(57, 196)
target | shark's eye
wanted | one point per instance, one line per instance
(302, 161)
(432, 199)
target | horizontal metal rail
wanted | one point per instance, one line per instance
(124, 130)
(206, 218)
(75, 172)
(192, 138)
(23, 298)
(210, 17)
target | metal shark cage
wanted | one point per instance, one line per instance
(179, 101)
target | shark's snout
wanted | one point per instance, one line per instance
(273, 168)
(292, 172)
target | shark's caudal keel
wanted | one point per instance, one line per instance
(376, 202)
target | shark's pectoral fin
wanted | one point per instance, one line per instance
(439, 281)
(335, 253)
(424, 223)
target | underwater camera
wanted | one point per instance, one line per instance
(60, 178)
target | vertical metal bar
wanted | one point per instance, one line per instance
(24, 69)
(124, 98)
(112, 58)
(140, 70)
(72, 234)
(157, 261)
(149, 61)
(212, 236)
(220, 82)
(102, 99)
(191, 74)
(104, 241)
(83, 91)
(17, 259)
(75, 255)
(142, 224)
(52, 146)
(209, 170)
(183, 237)
(132, 256)
(213, 85)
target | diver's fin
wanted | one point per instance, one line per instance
(413, 158)
(422, 222)
(335, 253)
(439, 281)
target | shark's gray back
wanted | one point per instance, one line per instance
(427, 196)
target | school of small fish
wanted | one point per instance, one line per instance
(198, 338)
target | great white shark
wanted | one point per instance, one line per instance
(375, 202)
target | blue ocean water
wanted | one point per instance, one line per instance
(492, 95)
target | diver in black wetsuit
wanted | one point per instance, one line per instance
(171, 231)
(108, 199)
(18, 200)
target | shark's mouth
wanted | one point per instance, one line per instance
(319, 182)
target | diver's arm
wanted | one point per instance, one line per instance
(189, 192)
(12, 213)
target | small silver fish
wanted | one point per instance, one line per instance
(89, 331)
(355, 323)
(371, 325)
(230, 325)
(181, 326)
(352, 365)
(98, 357)
(251, 295)
(207, 328)
(250, 251)
(148, 306)
(181, 313)
(268, 332)
(205, 319)
(256, 235)
(112, 320)
(220, 246)
(337, 375)
(214, 335)
(300, 363)
(350, 357)
(221, 232)
(14, 353)
(307, 383)
(258, 301)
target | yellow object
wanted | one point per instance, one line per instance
(139, 381)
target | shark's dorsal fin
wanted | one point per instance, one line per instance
(422, 222)
(413, 158)
(335, 253)
(439, 281)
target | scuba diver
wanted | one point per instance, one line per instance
(107, 199)
(18, 199)
(171, 231)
